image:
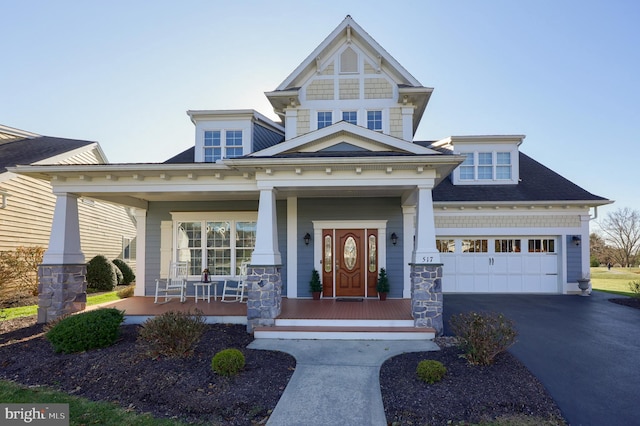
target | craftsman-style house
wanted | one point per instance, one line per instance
(341, 186)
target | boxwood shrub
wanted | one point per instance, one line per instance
(101, 274)
(127, 273)
(228, 362)
(88, 330)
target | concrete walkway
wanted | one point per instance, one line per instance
(336, 382)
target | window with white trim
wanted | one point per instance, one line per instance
(374, 120)
(350, 116)
(486, 166)
(215, 150)
(324, 119)
(220, 245)
(126, 248)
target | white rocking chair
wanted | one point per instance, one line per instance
(236, 293)
(175, 286)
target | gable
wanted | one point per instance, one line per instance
(341, 135)
(39, 149)
(349, 72)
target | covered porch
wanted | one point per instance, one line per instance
(364, 319)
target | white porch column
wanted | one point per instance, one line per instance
(141, 251)
(425, 246)
(292, 247)
(408, 232)
(64, 241)
(266, 251)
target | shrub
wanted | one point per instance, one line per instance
(19, 270)
(126, 292)
(482, 336)
(594, 262)
(118, 272)
(172, 334)
(430, 371)
(87, 330)
(228, 362)
(101, 274)
(382, 286)
(127, 273)
(634, 286)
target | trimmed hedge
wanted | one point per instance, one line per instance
(85, 331)
(101, 274)
(127, 273)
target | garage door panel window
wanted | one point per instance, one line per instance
(446, 246)
(475, 246)
(542, 245)
(507, 246)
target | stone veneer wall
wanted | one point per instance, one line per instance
(426, 296)
(62, 289)
(264, 301)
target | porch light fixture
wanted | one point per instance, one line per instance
(306, 238)
(394, 239)
(576, 239)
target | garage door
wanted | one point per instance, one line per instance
(499, 265)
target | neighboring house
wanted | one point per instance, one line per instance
(342, 187)
(27, 204)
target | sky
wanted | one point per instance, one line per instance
(124, 73)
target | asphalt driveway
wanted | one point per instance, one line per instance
(585, 350)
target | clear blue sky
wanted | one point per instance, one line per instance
(123, 73)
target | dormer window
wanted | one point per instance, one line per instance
(486, 166)
(215, 150)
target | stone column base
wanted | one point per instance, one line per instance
(264, 300)
(62, 290)
(426, 296)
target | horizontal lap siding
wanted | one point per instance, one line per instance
(389, 209)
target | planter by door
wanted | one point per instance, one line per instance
(583, 284)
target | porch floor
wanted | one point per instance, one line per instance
(324, 309)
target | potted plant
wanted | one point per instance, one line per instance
(315, 285)
(382, 287)
(583, 284)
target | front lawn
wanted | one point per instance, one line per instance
(27, 311)
(615, 280)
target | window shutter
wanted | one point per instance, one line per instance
(166, 247)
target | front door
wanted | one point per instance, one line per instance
(350, 257)
(350, 265)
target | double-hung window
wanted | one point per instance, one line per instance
(220, 245)
(350, 116)
(212, 146)
(324, 119)
(374, 120)
(215, 150)
(486, 166)
(234, 143)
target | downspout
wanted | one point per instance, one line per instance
(595, 213)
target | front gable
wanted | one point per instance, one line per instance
(342, 137)
(347, 77)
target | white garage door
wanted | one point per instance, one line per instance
(499, 265)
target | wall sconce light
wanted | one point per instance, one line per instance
(306, 238)
(576, 239)
(394, 239)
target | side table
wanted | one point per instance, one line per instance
(206, 286)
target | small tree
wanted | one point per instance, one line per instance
(315, 285)
(383, 282)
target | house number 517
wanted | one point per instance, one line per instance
(427, 259)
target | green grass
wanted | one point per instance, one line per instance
(27, 311)
(81, 410)
(615, 280)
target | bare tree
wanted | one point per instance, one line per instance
(621, 231)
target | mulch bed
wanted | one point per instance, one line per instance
(632, 302)
(188, 389)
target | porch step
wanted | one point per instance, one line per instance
(343, 332)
